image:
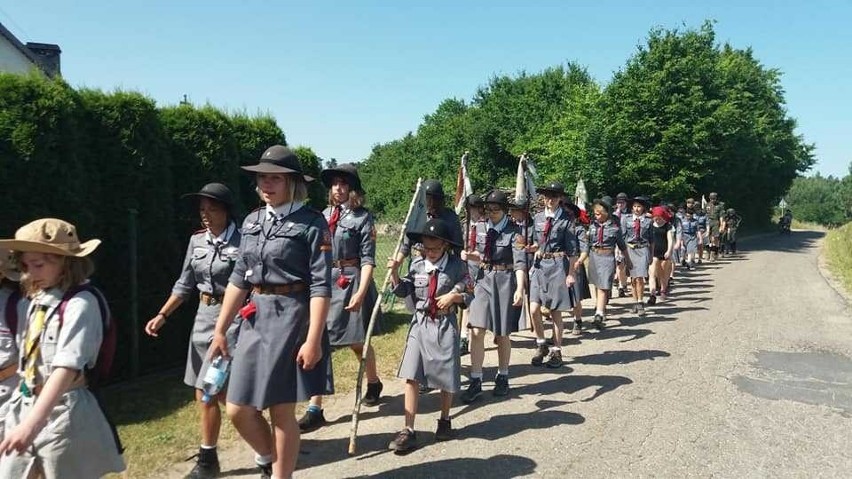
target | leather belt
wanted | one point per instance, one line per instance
(344, 263)
(637, 245)
(496, 267)
(210, 299)
(279, 288)
(8, 371)
(603, 250)
(438, 314)
(557, 254)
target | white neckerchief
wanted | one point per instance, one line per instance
(222, 238)
(499, 226)
(282, 211)
(553, 214)
(430, 266)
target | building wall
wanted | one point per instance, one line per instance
(12, 60)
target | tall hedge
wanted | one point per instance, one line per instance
(91, 157)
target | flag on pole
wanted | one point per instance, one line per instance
(417, 217)
(463, 186)
(525, 181)
(703, 202)
(581, 196)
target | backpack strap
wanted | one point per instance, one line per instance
(11, 312)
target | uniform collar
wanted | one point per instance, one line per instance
(282, 211)
(553, 214)
(49, 298)
(224, 237)
(440, 265)
(499, 226)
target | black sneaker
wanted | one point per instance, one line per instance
(598, 322)
(464, 347)
(311, 421)
(538, 359)
(652, 300)
(405, 441)
(622, 292)
(640, 310)
(445, 430)
(577, 330)
(555, 359)
(374, 393)
(501, 385)
(206, 465)
(473, 391)
(265, 470)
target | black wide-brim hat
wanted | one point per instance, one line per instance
(278, 159)
(474, 201)
(433, 188)
(434, 228)
(643, 200)
(496, 197)
(347, 171)
(574, 209)
(605, 202)
(554, 187)
(214, 191)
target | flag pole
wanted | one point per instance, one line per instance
(356, 410)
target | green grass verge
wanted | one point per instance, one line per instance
(838, 251)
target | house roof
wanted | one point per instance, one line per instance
(5, 33)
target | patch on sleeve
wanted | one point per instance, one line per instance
(326, 241)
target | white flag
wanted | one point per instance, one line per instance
(463, 186)
(581, 197)
(525, 181)
(703, 202)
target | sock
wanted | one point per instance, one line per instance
(411, 429)
(540, 342)
(476, 375)
(204, 446)
(464, 334)
(313, 408)
(263, 460)
(555, 348)
(599, 313)
(503, 372)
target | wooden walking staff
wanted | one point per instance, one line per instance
(356, 410)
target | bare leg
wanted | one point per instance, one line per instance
(211, 419)
(446, 404)
(538, 326)
(287, 439)
(504, 352)
(653, 273)
(477, 351)
(370, 364)
(412, 394)
(556, 317)
(254, 429)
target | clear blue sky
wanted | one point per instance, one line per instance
(342, 76)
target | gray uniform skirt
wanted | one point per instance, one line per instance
(581, 284)
(601, 270)
(641, 259)
(690, 242)
(713, 226)
(199, 342)
(264, 371)
(492, 308)
(345, 328)
(431, 355)
(547, 284)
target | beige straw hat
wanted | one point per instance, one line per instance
(52, 236)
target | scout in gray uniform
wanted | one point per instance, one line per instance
(621, 209)
(209, 259)
(474, 214)
(636, 228)
(701, 217)
(552, 276)
(10, 297)
(434, 287)
(501, 249)
(54, 426)
(604, 237)
(581, 279)
(691, 238)
(714, 217)
(285, 263)
(730, 224)
(353, 293)
(435, 209)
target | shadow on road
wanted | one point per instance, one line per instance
(609, 358)
(795, 242)
(500, 466)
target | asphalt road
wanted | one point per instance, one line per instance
(745, 372)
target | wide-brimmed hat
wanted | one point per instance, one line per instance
(51, 236)
(8, 268)
(214, 191)
(434, 228)
(605, 201)
(474, 201)
(642, 200)
(574, 209)
(347, 171)
(278, 159)
(496, 197)
(433, 188)
(554, 187)
(713, 195)
(621, 197)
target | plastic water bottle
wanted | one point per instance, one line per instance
(214, 379)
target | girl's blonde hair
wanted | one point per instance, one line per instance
(356, 199)
(75, 271)
(296, 185)
(602, 209)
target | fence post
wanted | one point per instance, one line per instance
(134, 293)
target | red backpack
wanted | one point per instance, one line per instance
(101, 371)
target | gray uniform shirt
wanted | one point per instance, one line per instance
(508, 246)
(208, 263)
(355, 235)
(562, 236)
(628, 229)
(607, 235)
(414, 287)
(284, 250)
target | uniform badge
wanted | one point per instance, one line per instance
(326, 241)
